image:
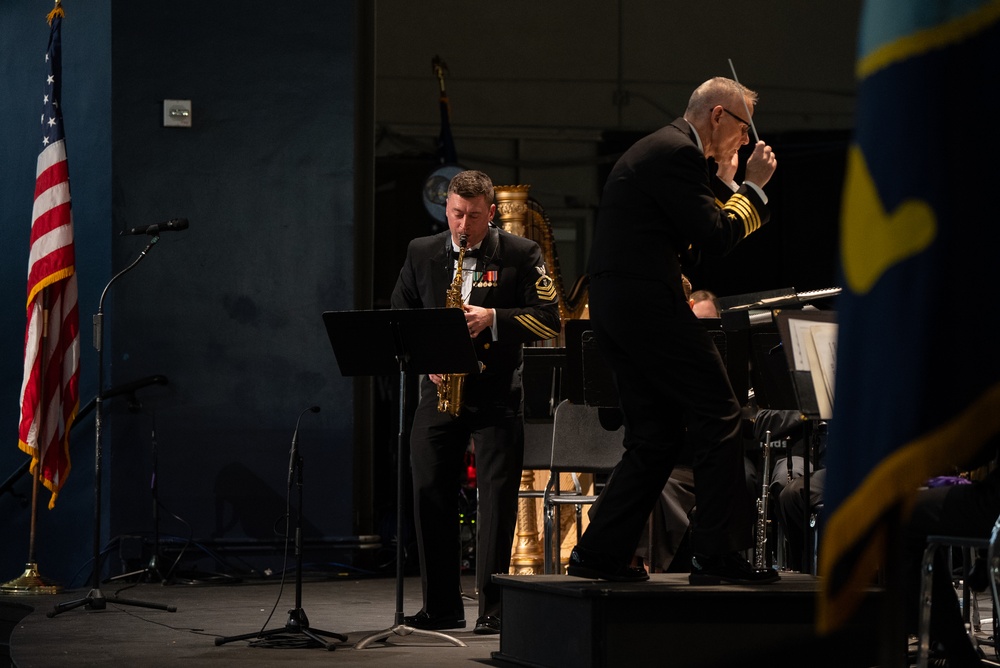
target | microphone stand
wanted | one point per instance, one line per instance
(152, 568)
(95, 600)
(297, 622)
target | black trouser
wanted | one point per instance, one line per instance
(670, 378)
(959, 510)
(793, 513)
(438, 443)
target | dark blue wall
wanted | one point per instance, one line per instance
(229, 310)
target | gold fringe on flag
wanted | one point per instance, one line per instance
(57, 12)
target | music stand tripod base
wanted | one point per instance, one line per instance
(297, 623)
(404, 630)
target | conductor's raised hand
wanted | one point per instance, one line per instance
(761, 165)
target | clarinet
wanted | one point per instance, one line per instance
(760, 549)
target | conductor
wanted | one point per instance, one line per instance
(658, 204)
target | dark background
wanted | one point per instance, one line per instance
(314, 128)
(228, 310)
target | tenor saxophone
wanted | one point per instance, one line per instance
(451, 386)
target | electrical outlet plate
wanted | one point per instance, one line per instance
(177, 113)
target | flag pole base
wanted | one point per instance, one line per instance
(29, 582)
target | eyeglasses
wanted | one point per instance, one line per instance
(746, 124)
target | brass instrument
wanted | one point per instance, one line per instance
(760, 549)
(452, 384)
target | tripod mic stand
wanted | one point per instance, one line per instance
(297, 622)
(152, 569)
(95, 599)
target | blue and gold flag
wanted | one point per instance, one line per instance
(918, 377)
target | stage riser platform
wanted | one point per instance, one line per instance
(555, 621)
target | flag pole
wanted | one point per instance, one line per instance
(31, 581)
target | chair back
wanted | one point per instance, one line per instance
(537, 445)
(579, 442)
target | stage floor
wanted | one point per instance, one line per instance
(135, 636)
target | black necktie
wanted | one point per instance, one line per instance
(468, 253)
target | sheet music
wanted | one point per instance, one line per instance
(814, 349)
(825, 338)
(799, 330)
(823, 399)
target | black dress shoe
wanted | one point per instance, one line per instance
(728, 568)
(583, 564)
(422, 620)
(487, 625)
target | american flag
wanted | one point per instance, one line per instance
(50, 389)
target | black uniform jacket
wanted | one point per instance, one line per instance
(658, 201)
(511, 278)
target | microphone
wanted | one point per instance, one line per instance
(295, 441)
(172, 225)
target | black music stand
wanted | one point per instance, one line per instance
(802, 381)
(797, 385)
(379, 343)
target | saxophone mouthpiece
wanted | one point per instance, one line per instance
(463, 240)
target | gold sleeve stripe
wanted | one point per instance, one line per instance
(745, 209)
(741, 206)
(754, 214)
(739, 210)
(719, 203)
(532, 324)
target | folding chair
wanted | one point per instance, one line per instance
(579, 445)
(968, 546)
(542, 379)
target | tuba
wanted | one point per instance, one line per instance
(450, 388)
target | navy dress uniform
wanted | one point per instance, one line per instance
(510, 277)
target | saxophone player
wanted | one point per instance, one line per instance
(508, 299)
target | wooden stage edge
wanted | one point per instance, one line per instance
(557, 620)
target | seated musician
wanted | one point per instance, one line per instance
(704, 304)
(955, 510)
(787, 481)
(792, 512)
